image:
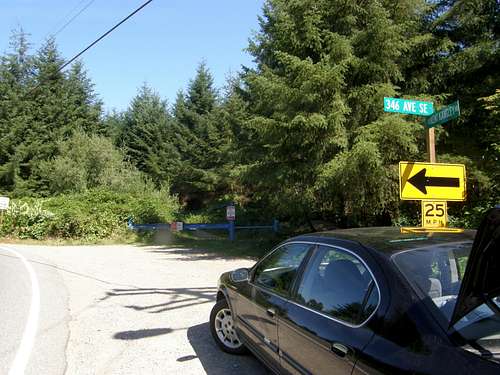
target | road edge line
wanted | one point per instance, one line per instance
(29, 335)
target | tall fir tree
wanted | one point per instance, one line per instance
(41, 106)
(16, 76)
(203, 139)
(147, 137)
(323, 70)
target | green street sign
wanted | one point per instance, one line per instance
(408, 107)
(446, 114)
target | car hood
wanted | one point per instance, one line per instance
(481, 281)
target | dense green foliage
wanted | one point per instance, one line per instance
(38, 107)
(302, 135)
(90, 216)
(324, 146)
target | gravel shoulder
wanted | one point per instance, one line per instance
(133, 309)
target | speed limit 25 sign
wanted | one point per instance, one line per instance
(434, 214)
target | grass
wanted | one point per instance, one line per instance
(129, 238)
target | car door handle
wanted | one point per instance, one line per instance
(339, 349)
(271, 312)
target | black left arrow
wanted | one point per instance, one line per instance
(421, 181)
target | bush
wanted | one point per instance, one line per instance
(89, 162)
(25, 220)
(89, 216)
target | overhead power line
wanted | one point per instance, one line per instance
(93, 43)
(61, 20)
(103, 36)
(73, 18)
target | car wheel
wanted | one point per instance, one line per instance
(223, 330)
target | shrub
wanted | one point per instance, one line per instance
(25, 220)
(89, 216)
(89, 162)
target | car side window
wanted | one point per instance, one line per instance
(338, 284)
(278, 270)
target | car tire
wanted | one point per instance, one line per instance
(223, 330)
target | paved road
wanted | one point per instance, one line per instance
(111, 310)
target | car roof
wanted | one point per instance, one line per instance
(385, 240)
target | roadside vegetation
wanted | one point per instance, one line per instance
(301, 136)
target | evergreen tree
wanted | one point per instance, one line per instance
(40, 106)
(202, 140)
(467, 70)
(148, 135)
(84, 106)
(464, 67)
(16, 75)
(323, 70)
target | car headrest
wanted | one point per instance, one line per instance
(343, 272)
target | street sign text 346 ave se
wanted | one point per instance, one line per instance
(408, 107)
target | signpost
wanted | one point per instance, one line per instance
(4, 203)
(230, 213)
(177, 226)
(231, 217)
(408, 107)
(446, 114)
(431, 181)
(434, 214)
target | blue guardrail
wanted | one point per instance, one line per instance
(229, 226)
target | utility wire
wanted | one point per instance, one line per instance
(72, 18)
(61, 20)
(102, 36)
(94, 42)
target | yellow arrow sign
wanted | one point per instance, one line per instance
(421, 181)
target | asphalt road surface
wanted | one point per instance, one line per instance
(111, 310)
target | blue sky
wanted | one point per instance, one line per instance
(161, 45)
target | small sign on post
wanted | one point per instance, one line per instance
(434, 214)
(177, 226)
(4, 203)
(231, 213)
(446, 114)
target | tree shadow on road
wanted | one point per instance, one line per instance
(191, 254)
(178, 298)
(141, 333)
(215, 361)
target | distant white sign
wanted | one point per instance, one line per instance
(4, 203)
(177, 226)
(230, 213)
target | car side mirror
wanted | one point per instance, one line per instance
(240, 275)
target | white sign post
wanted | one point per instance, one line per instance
(230, 213)
(4, 203)
(177, 226)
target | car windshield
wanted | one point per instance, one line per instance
(436, 272)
